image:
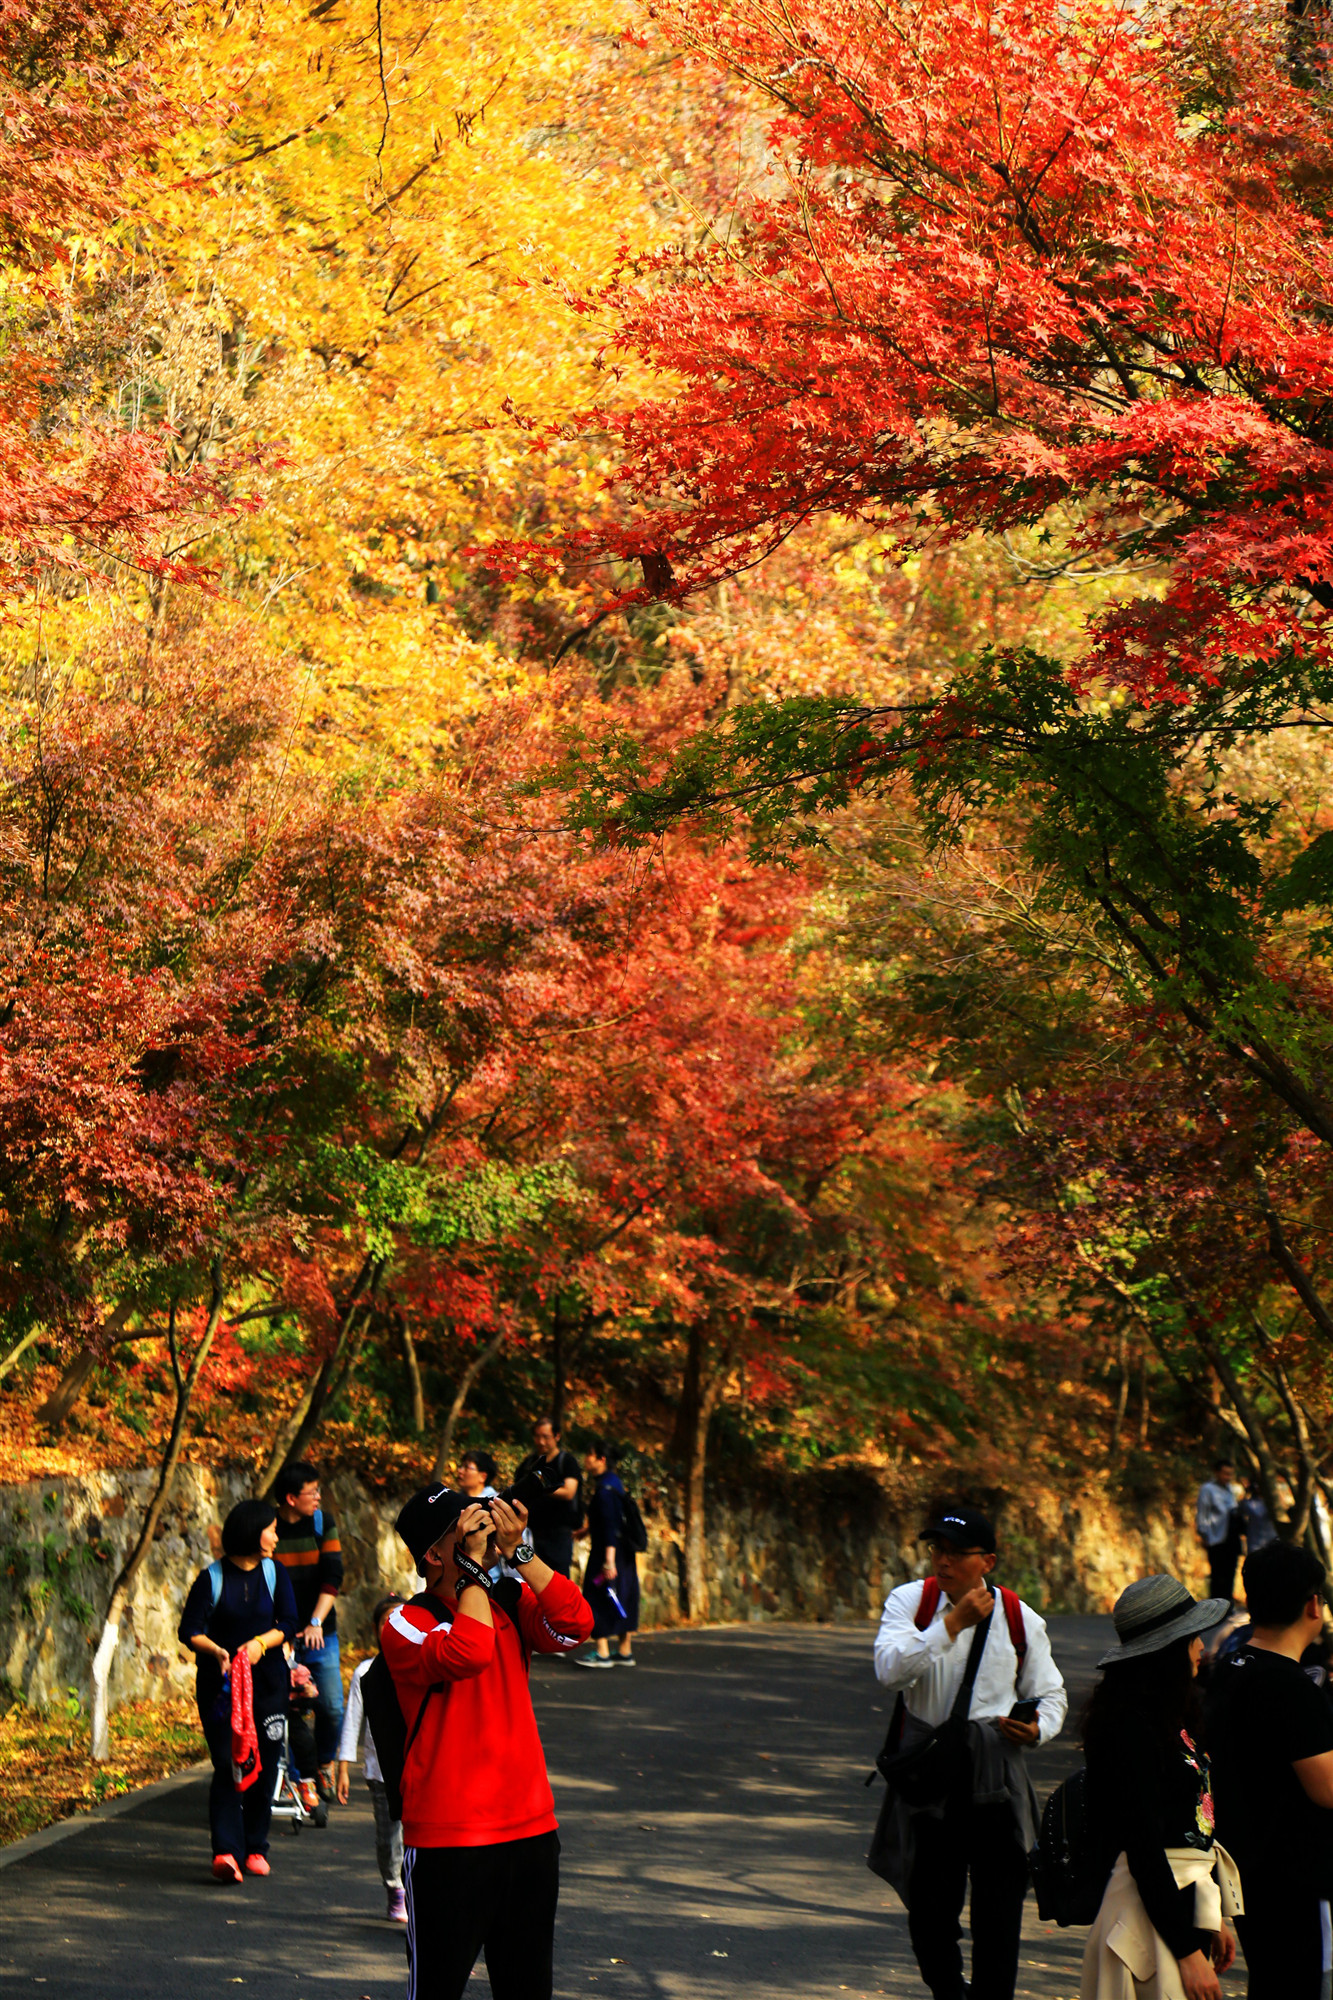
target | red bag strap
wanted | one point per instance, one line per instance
(930, 1603)
(1013, 1618)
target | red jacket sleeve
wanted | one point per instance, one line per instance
(558, 1620)
(421, 1652)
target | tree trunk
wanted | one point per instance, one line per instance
(54, 1412)
(303, 1422)
(331, 1381)
(413, 1367)
(34, 1333)
(461, 1394)
(557, 1368)
(701, 1391)
(1122, 1398)
(120, 1589)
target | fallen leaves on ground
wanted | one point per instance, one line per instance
(46, 1767)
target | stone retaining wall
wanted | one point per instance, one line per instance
(824, 1545)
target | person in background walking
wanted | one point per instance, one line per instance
(388, 1830)
(1161, 1930)
(553, 1521)
(1270, 1735)
(243, 1601)
(611, 1581)
(1214, 1517)
(1254, 1523)
(310, 1552)
(987, 1823)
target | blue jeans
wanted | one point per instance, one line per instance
(325, 1669)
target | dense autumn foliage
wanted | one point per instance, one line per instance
(453, 471)
(1005, 261)
(1054, 278)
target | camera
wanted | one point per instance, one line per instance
(532, 1487)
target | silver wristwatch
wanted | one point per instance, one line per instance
(524, 1553)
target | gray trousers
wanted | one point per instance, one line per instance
(388, 1836)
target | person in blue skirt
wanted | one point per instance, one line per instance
(611, 1580)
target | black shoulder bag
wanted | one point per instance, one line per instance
(928, 1770)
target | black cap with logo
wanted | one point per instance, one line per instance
(963, 1525)
(429, 1514)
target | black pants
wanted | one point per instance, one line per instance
(555, 1546)
(239, 1821)
(981, 1840)
(301, 1736)
(1222, 1560)
(462, 1901)
(1282, 1938)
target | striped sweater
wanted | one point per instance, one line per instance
(313, 1563)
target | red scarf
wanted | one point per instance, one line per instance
(244, 1738)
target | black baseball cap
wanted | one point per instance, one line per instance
(964, 1525)
(430, 1513)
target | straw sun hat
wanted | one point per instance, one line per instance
(1155, 1612)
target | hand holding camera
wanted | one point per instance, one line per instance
(474, 1530)
(510, 1518)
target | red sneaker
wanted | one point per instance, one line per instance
(225, 1869)
(255, 1864)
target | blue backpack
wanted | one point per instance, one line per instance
(214, 1572)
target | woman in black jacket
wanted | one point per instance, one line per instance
(245, 1600)
(1161, 1930)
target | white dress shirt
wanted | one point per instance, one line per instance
(927, 1667)
(1212, 1515)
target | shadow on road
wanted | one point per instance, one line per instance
(714, 1821)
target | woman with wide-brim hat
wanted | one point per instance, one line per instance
(1161, 1932)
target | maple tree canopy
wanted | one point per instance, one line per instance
(1008, 259)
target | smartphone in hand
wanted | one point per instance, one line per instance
(1023, 1711)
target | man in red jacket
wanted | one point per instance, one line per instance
(481, 1855)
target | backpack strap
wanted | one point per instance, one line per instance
(269, 1569)
(930, 1603)
(1013, 1618)
(317, 1523)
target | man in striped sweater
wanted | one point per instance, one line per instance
(310, 1552)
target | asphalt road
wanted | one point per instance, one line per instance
(713, 1820)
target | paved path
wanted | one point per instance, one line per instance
(714, 1825)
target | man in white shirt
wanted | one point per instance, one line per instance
(987, 1823)
(1215, 1519)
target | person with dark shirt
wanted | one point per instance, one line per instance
(611, 1581)
(1270, 1734)
(311, 1554)
(1148, 1794)
(551, 1522)
(245, 1600)
(1254, 1523)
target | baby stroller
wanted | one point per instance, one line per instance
(295, 1797)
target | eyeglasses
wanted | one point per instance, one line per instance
(938, 1548)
